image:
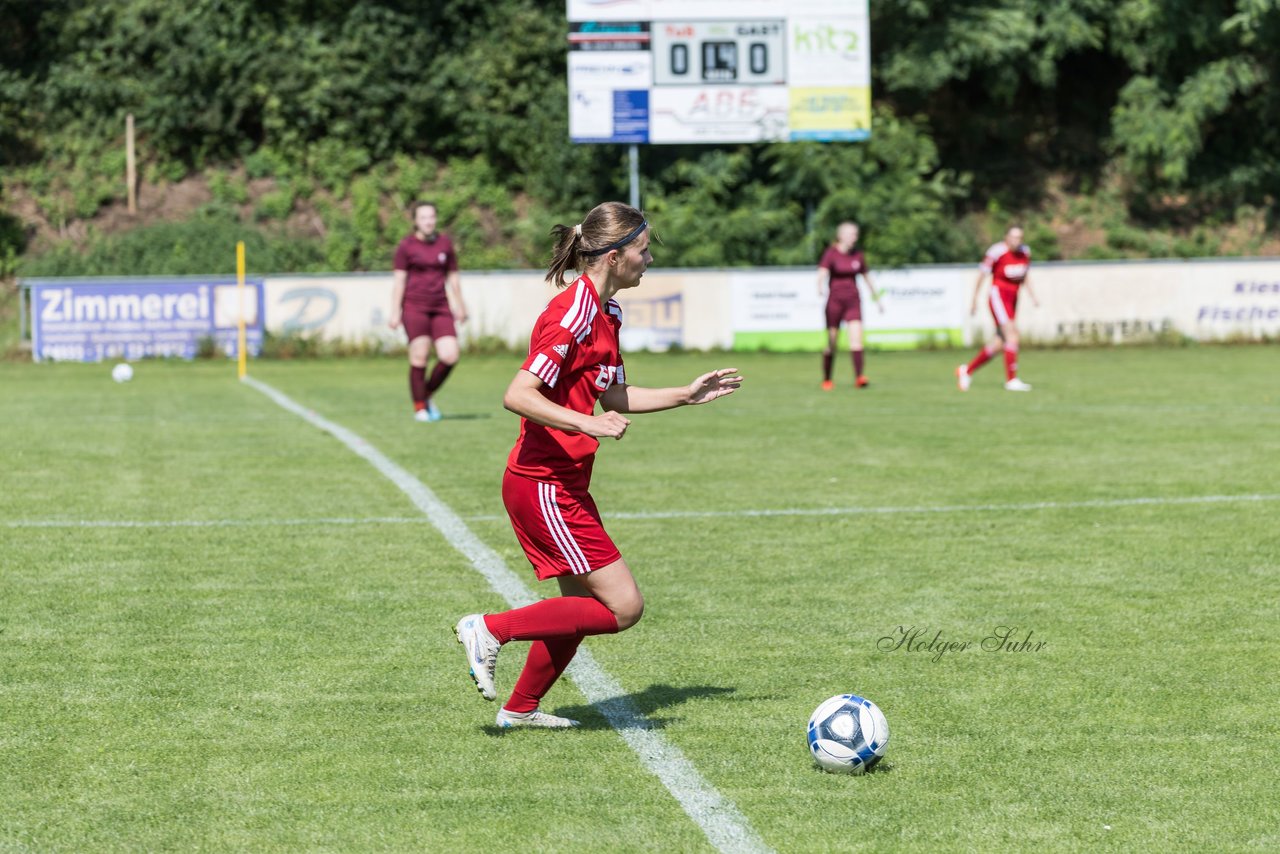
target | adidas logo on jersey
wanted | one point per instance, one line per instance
(561, 349)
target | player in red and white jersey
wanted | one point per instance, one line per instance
(838, 271)
(1007, 263)
(573, 363)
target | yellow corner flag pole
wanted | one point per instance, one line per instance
(240, 344)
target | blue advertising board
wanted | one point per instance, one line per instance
(88, 320)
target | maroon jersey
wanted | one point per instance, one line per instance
(1008, 267)
(844, 268)
(426, 264)
(574, 351)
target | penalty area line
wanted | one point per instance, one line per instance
(718, 818)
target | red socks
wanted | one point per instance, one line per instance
(984, 356)
(1010, 362)
(552, 619)
(546, 661)
(826, 367)
(857, 363)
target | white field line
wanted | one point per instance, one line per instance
(944, 508)
(725, 827)
(665, 514)
(207, 523)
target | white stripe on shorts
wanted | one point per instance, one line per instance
(997, 306)
(560, 531)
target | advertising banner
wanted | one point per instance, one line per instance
(91, 320)
(782, 310)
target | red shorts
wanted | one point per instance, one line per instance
(419, 322)
(1004, 305)
(558, 527)
(847, 309)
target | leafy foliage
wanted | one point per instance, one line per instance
(356, 107)
(197, 247)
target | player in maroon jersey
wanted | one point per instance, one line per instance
(838, 273)
(573, 362)
(426, 299)
(1007, 262)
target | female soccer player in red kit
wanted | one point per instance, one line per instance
(573, 362)
(838, 273)
(1007, 262)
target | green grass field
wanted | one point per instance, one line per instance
(257, 655)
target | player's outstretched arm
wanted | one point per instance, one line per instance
(706, 388)
(525, 399)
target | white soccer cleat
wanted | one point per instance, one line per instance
(509, 720)
(482, 652)
(433, 411)
(1016, 384)
(963, 378)
(421, 415)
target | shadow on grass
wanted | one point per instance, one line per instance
(466, 416)
(632, 711)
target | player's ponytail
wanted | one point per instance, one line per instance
(609, 226)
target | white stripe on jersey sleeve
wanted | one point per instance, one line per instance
(545, 369)
(571, 316)
(620, 378)
(579, 318)
(993, 255)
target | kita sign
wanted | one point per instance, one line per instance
(88, 321)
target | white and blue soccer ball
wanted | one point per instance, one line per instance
(848, 734)
(122, 373)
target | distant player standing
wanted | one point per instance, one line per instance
(573, 362)
(838, 273)
(1007, 262)
(426, 299)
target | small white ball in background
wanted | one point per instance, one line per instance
(122, 373)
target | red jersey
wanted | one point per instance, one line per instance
(1008, 267)
(844, 268)
(574, 351)
(427, 263)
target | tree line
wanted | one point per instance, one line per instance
(1171, 104)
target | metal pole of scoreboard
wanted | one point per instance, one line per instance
(634, 155)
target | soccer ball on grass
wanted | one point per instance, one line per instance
(848, 734)
(122, 372)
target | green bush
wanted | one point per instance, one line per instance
(276, 204)
(204, 245)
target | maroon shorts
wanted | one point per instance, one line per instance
(1004, 305)
(846, 309)
(559, 528)
(419, 322)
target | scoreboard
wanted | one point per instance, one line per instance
(677, 71)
